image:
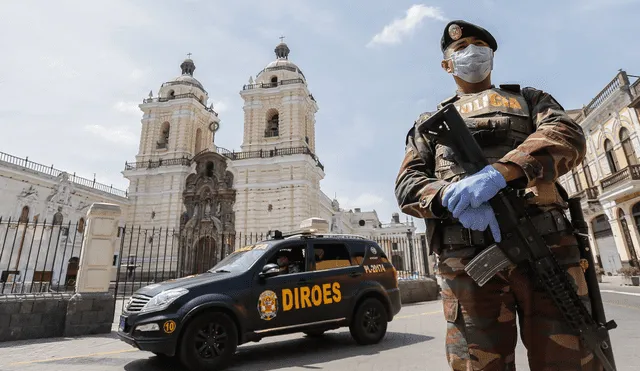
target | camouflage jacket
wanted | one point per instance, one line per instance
(557, 145)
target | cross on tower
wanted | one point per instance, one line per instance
(189, 55)
(281, 38)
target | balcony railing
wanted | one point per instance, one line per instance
(179, 96)
(171, 83)
(232, 155)
(629, 173)
(50, 170)
(155, 164)
(280, 68)
(592, 193)
(266, 85)
(270, 153)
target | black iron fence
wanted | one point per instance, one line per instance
(152, 255)
(39, 257)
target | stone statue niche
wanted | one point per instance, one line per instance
(208, 220)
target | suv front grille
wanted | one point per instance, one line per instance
(136, 303)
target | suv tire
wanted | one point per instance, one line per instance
(369, 324)
(209, 342)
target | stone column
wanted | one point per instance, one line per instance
(91, 309)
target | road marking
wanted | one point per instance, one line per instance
(419, 314)
(621, 292)
(73, 357)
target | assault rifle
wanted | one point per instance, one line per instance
(522, 244)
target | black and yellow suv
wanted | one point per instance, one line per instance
(304, 282)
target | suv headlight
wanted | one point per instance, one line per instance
(163, 300)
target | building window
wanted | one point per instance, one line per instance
(163, 140)
(629, 153)
(273, 124)
(81, 225)
(611, 156)
(57, 218)
(24, 215)
(198, 146)
(587, 174)
(210, 169)
(576, 179)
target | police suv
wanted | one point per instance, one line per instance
(306, 282)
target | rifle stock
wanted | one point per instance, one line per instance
(522, 244)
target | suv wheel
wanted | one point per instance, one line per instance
(369, 324)
(209, 342)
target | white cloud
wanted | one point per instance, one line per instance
(128, 108)
(113, 135)
(394, 32)
(366, 201)
(220, 105)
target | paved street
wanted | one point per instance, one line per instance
(414, 342)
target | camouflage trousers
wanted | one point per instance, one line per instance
(481, 321)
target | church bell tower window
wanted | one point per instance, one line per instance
(273, 124)
(163, 141)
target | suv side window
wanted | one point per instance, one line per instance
(358, 250)
(330, 255)
(290, 258)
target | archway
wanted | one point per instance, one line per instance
(205, 254)
(609, 258)
(633, 258)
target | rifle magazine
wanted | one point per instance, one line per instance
(487, 264)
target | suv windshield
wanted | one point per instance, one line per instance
(241, 259)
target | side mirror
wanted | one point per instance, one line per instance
(270, 270)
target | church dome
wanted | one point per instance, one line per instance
(281, 67)
(186, 78)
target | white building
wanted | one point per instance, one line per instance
(42, 222)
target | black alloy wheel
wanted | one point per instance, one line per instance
(369, 324)
(209, 342)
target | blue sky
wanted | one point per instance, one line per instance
(73, 72)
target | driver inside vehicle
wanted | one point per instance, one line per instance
(290, 261)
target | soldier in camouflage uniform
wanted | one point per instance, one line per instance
(530, 142)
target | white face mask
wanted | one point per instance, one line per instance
(473, 63)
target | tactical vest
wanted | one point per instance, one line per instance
(499, 120)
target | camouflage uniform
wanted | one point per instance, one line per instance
(528, 129)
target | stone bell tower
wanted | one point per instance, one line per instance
(176, 125)
(277, 174)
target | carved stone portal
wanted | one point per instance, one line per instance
(208, 224)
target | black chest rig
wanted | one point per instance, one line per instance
(499, 121)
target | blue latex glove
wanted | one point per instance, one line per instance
(480, 218)
(473, 190)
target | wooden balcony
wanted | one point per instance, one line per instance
(629, 173)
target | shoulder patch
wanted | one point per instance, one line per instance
(514, 88)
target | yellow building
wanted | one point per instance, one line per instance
(608, 180)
